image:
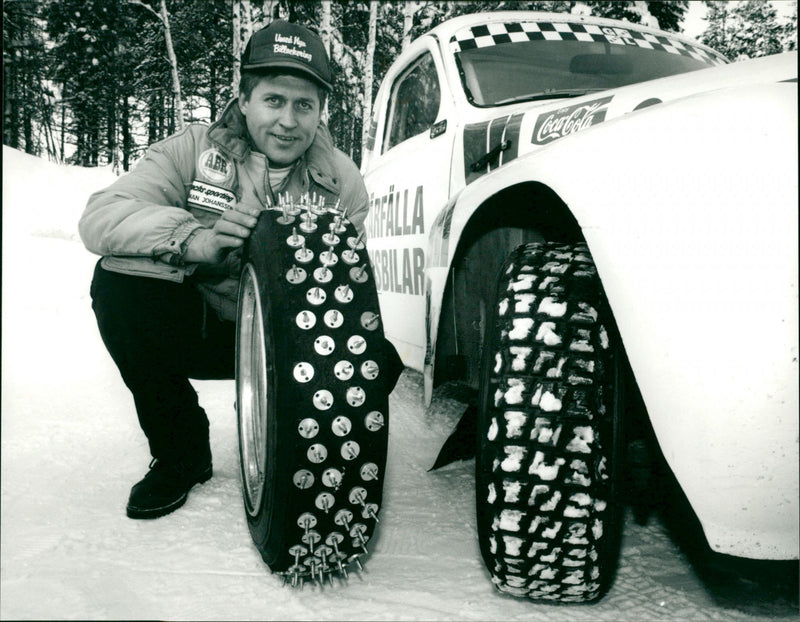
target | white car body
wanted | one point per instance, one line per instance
(699, 262)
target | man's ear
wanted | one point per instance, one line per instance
(243, 103)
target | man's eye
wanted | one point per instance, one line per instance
(273, 101)
(304, 105)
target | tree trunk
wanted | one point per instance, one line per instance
(242, 29)
(409, 9)
(173, 61)
(127, 142)
(366, 117)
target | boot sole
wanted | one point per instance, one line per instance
(145, 513)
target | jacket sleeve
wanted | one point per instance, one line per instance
(143, 213)
(352, 191)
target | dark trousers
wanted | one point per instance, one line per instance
(160, 334)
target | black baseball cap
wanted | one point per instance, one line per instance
(284, 44)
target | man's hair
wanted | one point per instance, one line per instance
(251, 77)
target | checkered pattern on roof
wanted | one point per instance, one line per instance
(486, 35)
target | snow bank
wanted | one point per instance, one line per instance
(46, 199)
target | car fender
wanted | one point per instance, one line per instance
(690, 211)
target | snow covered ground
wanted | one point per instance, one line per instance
(71, 449)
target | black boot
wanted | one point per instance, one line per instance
(166, 486)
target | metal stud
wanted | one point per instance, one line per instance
(285, 218)
(304, 372)
(341, 426)
(317, 453)
(333, 540)
(306, 320)
(323, 274)
(359, 275)
(296, 275)
(343, 370)
(350, 450)
(310, 538)
(324, 501)
(328, 257)
(370, 370)
(356, 344)
(369, 320)
(350, 256)
(371, 511)
(369, 471)
(356, 396)
(308, 226)
(295, 240)
(324, 345)
(303, 254)
(332, 478)
(323, 399)
(316, 296)
(303, 479)
(333, 318)
(343, 518)
(374, 421)
(356, 243)
(308, 427)
(344, 293)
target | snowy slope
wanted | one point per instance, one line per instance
(71, 449)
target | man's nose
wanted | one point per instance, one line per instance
(288, 117)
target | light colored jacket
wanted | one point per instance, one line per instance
(140, 224)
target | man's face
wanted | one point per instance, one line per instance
(282, 116)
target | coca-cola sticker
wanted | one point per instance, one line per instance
(556, 124)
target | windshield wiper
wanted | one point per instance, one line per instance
(552, 94)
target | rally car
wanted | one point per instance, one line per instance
(568, 210)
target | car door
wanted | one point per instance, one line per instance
(408, 180)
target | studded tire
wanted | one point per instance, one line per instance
(312, 381)
(549, 429)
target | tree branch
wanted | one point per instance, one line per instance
(149, 8)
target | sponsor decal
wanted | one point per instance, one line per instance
(490, 144)
(215, 166)
(292, 46)
(210, 197)
(559, 123)
(399, 270)
(397, 213)
(392, 215)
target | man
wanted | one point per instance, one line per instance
(171, 231)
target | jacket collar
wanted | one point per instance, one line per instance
(229, 133)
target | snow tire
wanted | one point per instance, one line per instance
(313, 377)
(549, 431)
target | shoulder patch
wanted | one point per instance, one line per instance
(214, 198)
(215, 166)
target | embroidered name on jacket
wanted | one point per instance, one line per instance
(210, 197)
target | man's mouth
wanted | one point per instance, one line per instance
(284, 139)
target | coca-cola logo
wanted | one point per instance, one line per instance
(559, 123)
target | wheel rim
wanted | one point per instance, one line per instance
(251, 390)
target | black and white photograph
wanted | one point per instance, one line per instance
(400, 310)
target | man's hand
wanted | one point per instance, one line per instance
(229, 232)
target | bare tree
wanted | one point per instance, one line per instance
(409, 10)
(242, 29)
(163, 16)
(369, 69)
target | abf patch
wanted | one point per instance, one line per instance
(210, 197)
(215, 166)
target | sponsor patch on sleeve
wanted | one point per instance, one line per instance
(214, 198)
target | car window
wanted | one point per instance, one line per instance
(505, 63)
(414, 102)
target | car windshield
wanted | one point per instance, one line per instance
(510, 62)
